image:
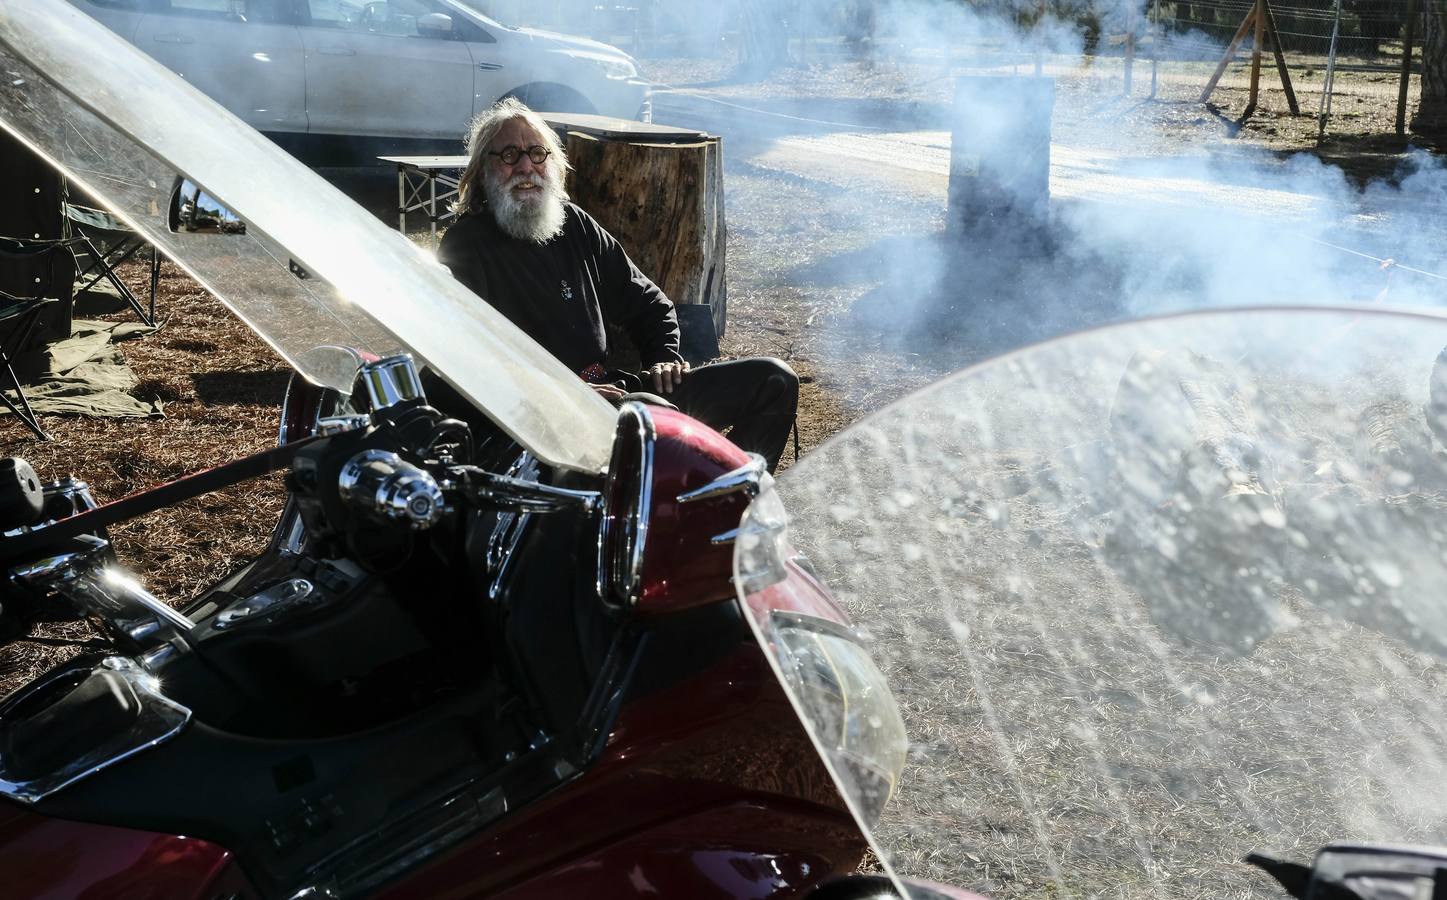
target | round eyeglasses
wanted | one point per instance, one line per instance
(510, 154)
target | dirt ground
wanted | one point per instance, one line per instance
(222, 388)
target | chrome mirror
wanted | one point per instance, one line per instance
(193, 211)
(391, 381)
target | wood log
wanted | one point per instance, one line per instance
(664, 204)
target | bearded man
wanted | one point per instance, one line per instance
(559, 276)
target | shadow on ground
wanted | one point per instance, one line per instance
(260, 388)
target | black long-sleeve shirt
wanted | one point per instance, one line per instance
(560, 293)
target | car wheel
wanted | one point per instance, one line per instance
(551, 98)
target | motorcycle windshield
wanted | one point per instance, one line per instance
(1148, 598)
(307, 268)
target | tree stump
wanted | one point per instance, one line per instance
(664, 204)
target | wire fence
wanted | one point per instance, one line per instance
(1327, 49)
(1312, 52)
(1368, 32)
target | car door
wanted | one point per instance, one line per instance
(387, 68)
(120, 16)
(244, 54)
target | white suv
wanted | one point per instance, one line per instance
(342, 81)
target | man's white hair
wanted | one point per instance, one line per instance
(471, 195)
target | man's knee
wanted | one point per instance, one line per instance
(779, 383)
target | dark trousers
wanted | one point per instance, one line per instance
(756, 398)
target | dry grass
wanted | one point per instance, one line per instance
(222, 389)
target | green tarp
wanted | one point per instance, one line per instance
(85, 374)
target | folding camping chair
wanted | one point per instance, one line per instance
(18, 316)
(106, 242)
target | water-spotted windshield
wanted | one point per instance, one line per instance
(1148, 598)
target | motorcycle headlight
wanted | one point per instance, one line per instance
(847, 704)
(839, 692)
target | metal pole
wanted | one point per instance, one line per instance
(1039, 49)
(1156, 34)
(1129, 43)
(1407, 40)
(1324, 109)
(401, 198)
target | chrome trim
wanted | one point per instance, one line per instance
(392, 381)
(160, 719)
(518, 495)
(283, 432)
(505, 530)
(83, 577)
(385, 485)
(77, 491)
(626, 580)
(338, 365)
(327, 426)
(509, 528)
(47, 572)
(269, 603)
(69, 487)
(746, 479)
(290, 535)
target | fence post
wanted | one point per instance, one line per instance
(1229, 54)
(1407, 40)
(1156, 33)
(1130, 15)
(1039, 46)
(1256, 59)
(1275, 38)
(1329, 81)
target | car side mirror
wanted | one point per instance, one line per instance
(435, 25)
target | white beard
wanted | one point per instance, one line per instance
(535, 218)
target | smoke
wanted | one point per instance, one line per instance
(1143, 216)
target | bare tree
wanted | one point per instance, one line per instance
(1431, 118)
(766, 43)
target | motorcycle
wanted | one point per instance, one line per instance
(1161, 605)
(1113, 613)
(491, 649)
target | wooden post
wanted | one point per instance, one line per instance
(1263, 21)
(1229, 54)
(1407, 40)
(1275, 38)
(664, 204)
(1256, 59)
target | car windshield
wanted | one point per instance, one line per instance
(311, 269)
(1149, 598)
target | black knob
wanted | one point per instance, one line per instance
(21, 498)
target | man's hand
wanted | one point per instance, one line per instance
(612, 393)
(666, 376)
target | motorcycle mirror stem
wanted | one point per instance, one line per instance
(1361, 872)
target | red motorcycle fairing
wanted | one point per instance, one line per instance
(707, 785)
(682, 564)
(52, 858)
(715, 767)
